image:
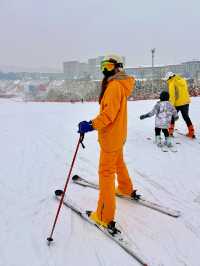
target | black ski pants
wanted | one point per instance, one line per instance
(164, 130)
(184, 109)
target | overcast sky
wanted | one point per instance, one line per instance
(37, 33)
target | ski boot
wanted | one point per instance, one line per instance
(135, 195)
(93, 216)
(158, 141)
(120, 193)
(171, 130)
(112, 229)
(190, 133)
(132, 195)
(168, 142)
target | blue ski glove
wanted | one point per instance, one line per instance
(84, 127)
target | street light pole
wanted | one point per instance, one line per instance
(152, 65)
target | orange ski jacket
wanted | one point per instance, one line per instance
(111, 122)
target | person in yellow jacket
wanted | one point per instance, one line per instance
(111, 124)
(180, 99)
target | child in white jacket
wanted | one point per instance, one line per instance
(164, 112)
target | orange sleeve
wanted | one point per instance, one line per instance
(111, 106)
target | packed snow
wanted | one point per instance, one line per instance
(37, 144)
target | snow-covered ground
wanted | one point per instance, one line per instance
(37, 142)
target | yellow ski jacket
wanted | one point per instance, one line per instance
(178, 91)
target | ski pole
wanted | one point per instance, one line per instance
(80, 141)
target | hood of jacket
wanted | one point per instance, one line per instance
(126, 81)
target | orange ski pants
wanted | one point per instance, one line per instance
(111, 163)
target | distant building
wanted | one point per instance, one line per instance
(190, 69)
(83, 70)
(91, 69)
(78, 70)
(94, 67)
(71, 69)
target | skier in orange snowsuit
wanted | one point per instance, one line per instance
(111, 124)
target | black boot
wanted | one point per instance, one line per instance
(112, 228)
(135, 195)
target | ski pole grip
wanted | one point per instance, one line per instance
(82, 135)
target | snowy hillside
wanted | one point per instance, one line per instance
(36, 147)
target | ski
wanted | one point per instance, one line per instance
(161, 146)
(142, 201)
(117, 235)
(173, 149)
(195, 139)
(165, 148)
(182, 134)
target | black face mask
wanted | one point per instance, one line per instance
(108, 74)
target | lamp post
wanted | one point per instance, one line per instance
(152, 65)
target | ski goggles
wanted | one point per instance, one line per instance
(107, 65)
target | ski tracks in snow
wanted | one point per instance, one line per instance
(37, 146)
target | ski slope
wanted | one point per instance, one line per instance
(37, 144)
